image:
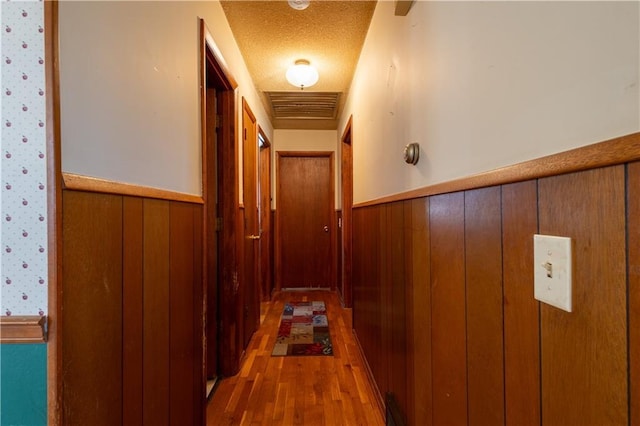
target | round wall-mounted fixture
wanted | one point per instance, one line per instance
(299, 4)
(302, 74)
(412, 153)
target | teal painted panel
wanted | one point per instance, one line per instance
(23, 384)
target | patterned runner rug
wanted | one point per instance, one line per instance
(304, 330)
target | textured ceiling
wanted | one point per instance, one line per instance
(271, 36)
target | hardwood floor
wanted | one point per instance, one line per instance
(311, 390)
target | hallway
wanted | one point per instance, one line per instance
(312, 390)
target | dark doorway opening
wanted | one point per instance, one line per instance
(219, 322)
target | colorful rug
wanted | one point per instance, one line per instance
(304, 330)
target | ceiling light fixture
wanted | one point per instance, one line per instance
(302, 74)
(299, 4)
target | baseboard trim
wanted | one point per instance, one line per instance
(374, 386)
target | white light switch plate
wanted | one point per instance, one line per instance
(552, 270)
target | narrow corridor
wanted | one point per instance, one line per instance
(311, 390)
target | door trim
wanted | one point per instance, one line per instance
(278, 224)
(54, 213)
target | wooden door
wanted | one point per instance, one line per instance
(347, 206)
(251, 307)
(304, 212)
(220, 228)
(266, 236)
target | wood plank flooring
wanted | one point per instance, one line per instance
(311, 390)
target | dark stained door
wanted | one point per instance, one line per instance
(250, 291)
(304, 212)
(347, 206)
(266, 236)
(211, 237)
(222, 331)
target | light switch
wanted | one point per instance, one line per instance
(552, 270)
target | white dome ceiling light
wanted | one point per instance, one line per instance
(302, 74)
(299, 4)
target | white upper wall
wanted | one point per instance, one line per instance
(130, 91)
(481, 85)
(304, 140)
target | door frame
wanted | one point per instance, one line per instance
(332, 216)
(54, 213)
(228, 196)
(346, 180)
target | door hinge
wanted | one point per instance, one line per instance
(245, 133)
(217, 121)
(218, 224)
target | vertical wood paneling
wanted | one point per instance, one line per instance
(360, 233)
(132, 307)
(92, 309)
(361, 318)
(397, 307)
(199, 296)
(181, 311)
(373, 282)
(584, 353)
(633, 241)
(480, 349)
(419, 312)
(358, 236)
(383, 302)
(483, 253)
(521, 310)
(373, 279)
(449, 361)
(366, 287)
(156, 313)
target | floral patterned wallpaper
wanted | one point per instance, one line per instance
(23, 288)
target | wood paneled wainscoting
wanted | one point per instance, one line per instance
(132, 310)
(443, 302)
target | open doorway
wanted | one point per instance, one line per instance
(220, 336)
(210, 156)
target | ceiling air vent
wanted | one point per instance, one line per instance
(304, 105)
